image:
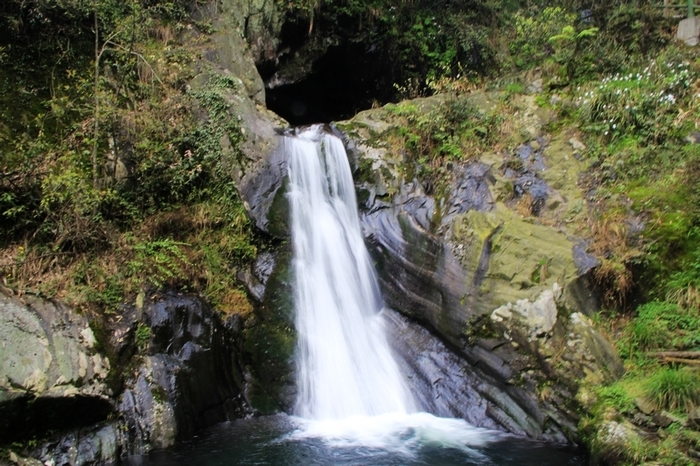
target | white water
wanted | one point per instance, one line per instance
(351, 391)
(344, 361)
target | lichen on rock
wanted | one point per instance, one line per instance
(490, 262)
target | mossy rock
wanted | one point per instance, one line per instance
(278, 214)
(271, 341)
(525, 258)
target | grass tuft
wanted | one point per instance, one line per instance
(672, 388)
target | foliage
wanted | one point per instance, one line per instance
(96, 237)
(633, 98)
(643, 103)
(55, 184)
(531, 42)
(158, 261)
(617, 400)
(662, 326)
(568, 51)
(448, 133)
(617, 396)
(143, 336)
(580, 41)
(671, 388)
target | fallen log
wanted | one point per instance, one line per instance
(677, 354)
(692, 362)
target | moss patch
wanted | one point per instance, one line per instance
(519, 252)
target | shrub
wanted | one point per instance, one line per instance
(671, 388)
(644, 103)
(531, 44)
(159, 262)
(617, 396)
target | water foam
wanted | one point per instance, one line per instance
(351, 392)
(345, 366)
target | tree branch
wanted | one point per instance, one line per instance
(138, 55)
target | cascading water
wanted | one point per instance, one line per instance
(353, 406)
(351, 392)
(345, 365)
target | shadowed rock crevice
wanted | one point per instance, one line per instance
(348, 78)
(191, 375)
(26, 415)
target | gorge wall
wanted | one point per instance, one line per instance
(490, 308)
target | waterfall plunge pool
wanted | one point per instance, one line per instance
(415, 439)
(355, 406)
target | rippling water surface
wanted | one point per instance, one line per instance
(420, 440)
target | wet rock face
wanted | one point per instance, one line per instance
(447, 385)
(502, 291)
(418, 273)
(187, 374)
(269, 336)
(87, 446)
(190, 377)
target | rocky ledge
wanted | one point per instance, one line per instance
(137, 382)
(490, 265)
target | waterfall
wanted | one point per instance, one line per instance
(345, 365)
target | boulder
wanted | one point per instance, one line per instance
(448, 385)
(186, 372)
(51, 374)
(100, 444)
(689, 31)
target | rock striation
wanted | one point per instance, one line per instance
(507, 294)
(185, 371)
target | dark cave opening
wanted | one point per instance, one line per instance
(348, 78)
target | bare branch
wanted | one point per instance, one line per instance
(138, 55)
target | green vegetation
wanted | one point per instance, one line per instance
(662, 326)
(444, 134)
(671, 388)
(613, 77)
(143, 336)
(635, 117)
(109, 182)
